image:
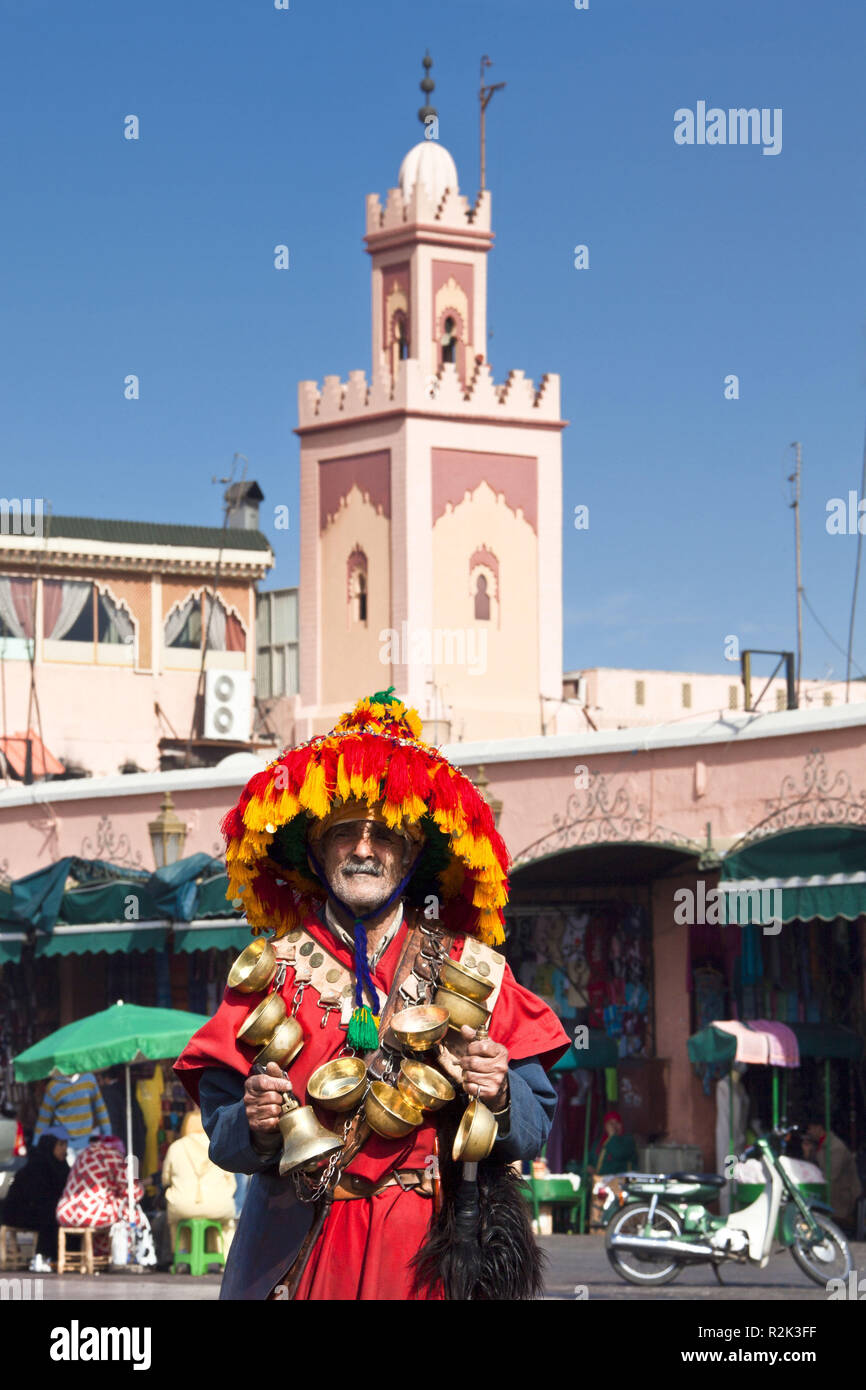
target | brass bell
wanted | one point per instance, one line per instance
(307, 1144)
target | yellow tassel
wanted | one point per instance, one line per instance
(314, 792)
(344, 786)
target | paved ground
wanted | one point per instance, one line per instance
(580, 1260)
(574, 1263)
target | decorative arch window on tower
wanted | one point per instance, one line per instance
(449, 339)
(484, 586)
(357, 588)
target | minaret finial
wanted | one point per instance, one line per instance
(427, 84)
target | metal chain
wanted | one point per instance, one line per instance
(307, 1191)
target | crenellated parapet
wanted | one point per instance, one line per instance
(515, 399)
(453, 211)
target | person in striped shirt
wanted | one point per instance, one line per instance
(76, 1103)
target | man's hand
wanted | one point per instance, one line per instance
(262, 1096)
(480, 1066)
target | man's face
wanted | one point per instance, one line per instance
(364, 861)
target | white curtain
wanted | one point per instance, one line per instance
(215, 616)
(120, 626)
(176, 620)
(75, 595)
(8, 612)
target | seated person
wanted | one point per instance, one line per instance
(845, 1185)
(612, 1152)
(35, 1192)
(194, 1186)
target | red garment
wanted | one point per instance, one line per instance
(96, 1193)
(348, 1250)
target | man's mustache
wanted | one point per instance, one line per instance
(365, 866)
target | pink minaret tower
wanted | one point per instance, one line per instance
(431, 497)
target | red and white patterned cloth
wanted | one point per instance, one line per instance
(96, 1189)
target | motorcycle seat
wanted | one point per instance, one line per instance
(705, 1179)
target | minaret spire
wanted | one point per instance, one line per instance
(427, 84)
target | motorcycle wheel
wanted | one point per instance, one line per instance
(829, 1260)
(637, 1269)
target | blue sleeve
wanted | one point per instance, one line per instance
(225, 1123)
(523, 1132)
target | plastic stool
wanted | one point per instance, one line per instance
(11, 1255)
(197, 1256)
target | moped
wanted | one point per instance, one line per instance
(658, 1223)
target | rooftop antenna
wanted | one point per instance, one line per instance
(485, 95)
(228, 482)
(795, 505)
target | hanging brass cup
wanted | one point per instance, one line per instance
(462, 981)
(461, 1011)
(420, 1027)
(338, 1085)
(389, 1112)
(307, 1144)
(254, 968)
(284, 1046)
(260, 1025)
(424, 1086)
(477, 1134)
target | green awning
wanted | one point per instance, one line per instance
(121, 900)
(228, 934)
(109, 937)
(712, 1047)
(212, 900)
(818, 872)
(11, 943)
(602, 1051)
(827, 1040)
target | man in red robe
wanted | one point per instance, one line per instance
(365, 870)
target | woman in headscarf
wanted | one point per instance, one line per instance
(96, 1192)
(35, 1191)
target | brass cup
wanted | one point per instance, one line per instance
(461, 1011)
(260, 1025)
(462, 981)
(423, 1086)
(307, 1144)
(420, 1027)
(285, 1044)
(389, 1112)
(338, 1085)
(476, 1135)
(254, 968)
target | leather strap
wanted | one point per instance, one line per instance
(410, 1179)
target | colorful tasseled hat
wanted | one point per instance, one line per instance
(374, 756)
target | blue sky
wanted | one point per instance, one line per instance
(260, 127)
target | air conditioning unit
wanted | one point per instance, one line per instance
(228, 705)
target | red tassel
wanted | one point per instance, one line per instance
(398, 782)
(375, 758)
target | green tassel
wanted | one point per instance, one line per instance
(363, 1032)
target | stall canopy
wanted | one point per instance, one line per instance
(819, 870)
(80, 905)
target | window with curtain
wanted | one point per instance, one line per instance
(226, 632)
(16, 607)
(67, 610)
(114, 625)
(183, 626)
(187, 624)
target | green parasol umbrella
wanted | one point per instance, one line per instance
(121, 1035)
